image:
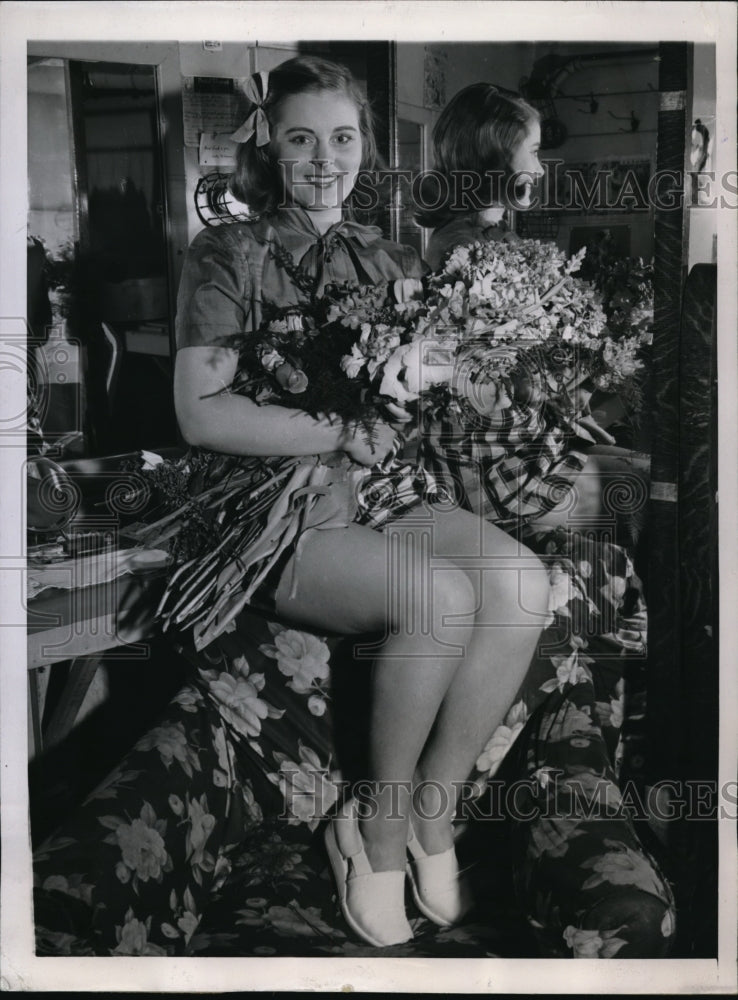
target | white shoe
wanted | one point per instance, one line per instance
(439, 892)
(373, 903)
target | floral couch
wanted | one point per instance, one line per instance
(207, 837)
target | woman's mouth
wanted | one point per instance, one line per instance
(323, 181)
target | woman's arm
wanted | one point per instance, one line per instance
(227, 422)
(235, 424)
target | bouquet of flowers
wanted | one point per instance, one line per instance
(299, 358)
(495, 319)
(513, 315)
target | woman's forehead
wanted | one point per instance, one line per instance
(532, 134)
(321, 108)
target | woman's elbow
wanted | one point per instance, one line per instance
(192, 426)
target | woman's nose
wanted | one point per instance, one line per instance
(322, 154)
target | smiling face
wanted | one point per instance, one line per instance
(526, 166)
(317, 141)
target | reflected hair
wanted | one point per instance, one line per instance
(474, 141)
(257, 179)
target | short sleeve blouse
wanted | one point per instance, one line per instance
(230, 271)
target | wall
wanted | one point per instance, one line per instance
(51, 214)
(234, 60)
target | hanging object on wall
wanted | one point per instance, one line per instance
(212, 104)
(593, 105)
(214, 203)
(217, 150)
(700, 147)
(551, 70)
(634, 121)
(700, 161)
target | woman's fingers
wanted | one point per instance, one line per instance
(398, 413)
(598, 433)
(369, 446)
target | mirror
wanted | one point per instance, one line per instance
(98, 220)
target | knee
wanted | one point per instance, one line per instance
(454, 597)
(432, 600)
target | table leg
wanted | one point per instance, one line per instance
(81, 673)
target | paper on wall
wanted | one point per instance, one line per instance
(215, 105)
(217, 150)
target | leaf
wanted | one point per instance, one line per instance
(189, 901)
(169, 931)
(549, 686)
(147, 814)
(111, 822)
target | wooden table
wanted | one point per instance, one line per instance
(82, 626)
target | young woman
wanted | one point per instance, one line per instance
(442, 678)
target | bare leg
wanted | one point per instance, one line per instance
(511, 598)
(344, 584)
(491, 609)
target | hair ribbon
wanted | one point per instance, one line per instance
(257, 123)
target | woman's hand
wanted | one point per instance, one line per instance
(367, 448)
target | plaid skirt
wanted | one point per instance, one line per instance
(510, 467)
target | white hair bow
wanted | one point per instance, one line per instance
(257, 122)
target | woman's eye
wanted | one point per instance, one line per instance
(302, 140)
(343, 140)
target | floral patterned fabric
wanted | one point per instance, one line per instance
(207, 839)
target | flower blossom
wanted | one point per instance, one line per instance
(302, 657)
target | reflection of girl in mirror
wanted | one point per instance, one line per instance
(512, 463)
(486, 146)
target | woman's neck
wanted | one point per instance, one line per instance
(324, 219)
(491, 216)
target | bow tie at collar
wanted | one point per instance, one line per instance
(346, 229)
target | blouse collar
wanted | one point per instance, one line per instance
(299, 220)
